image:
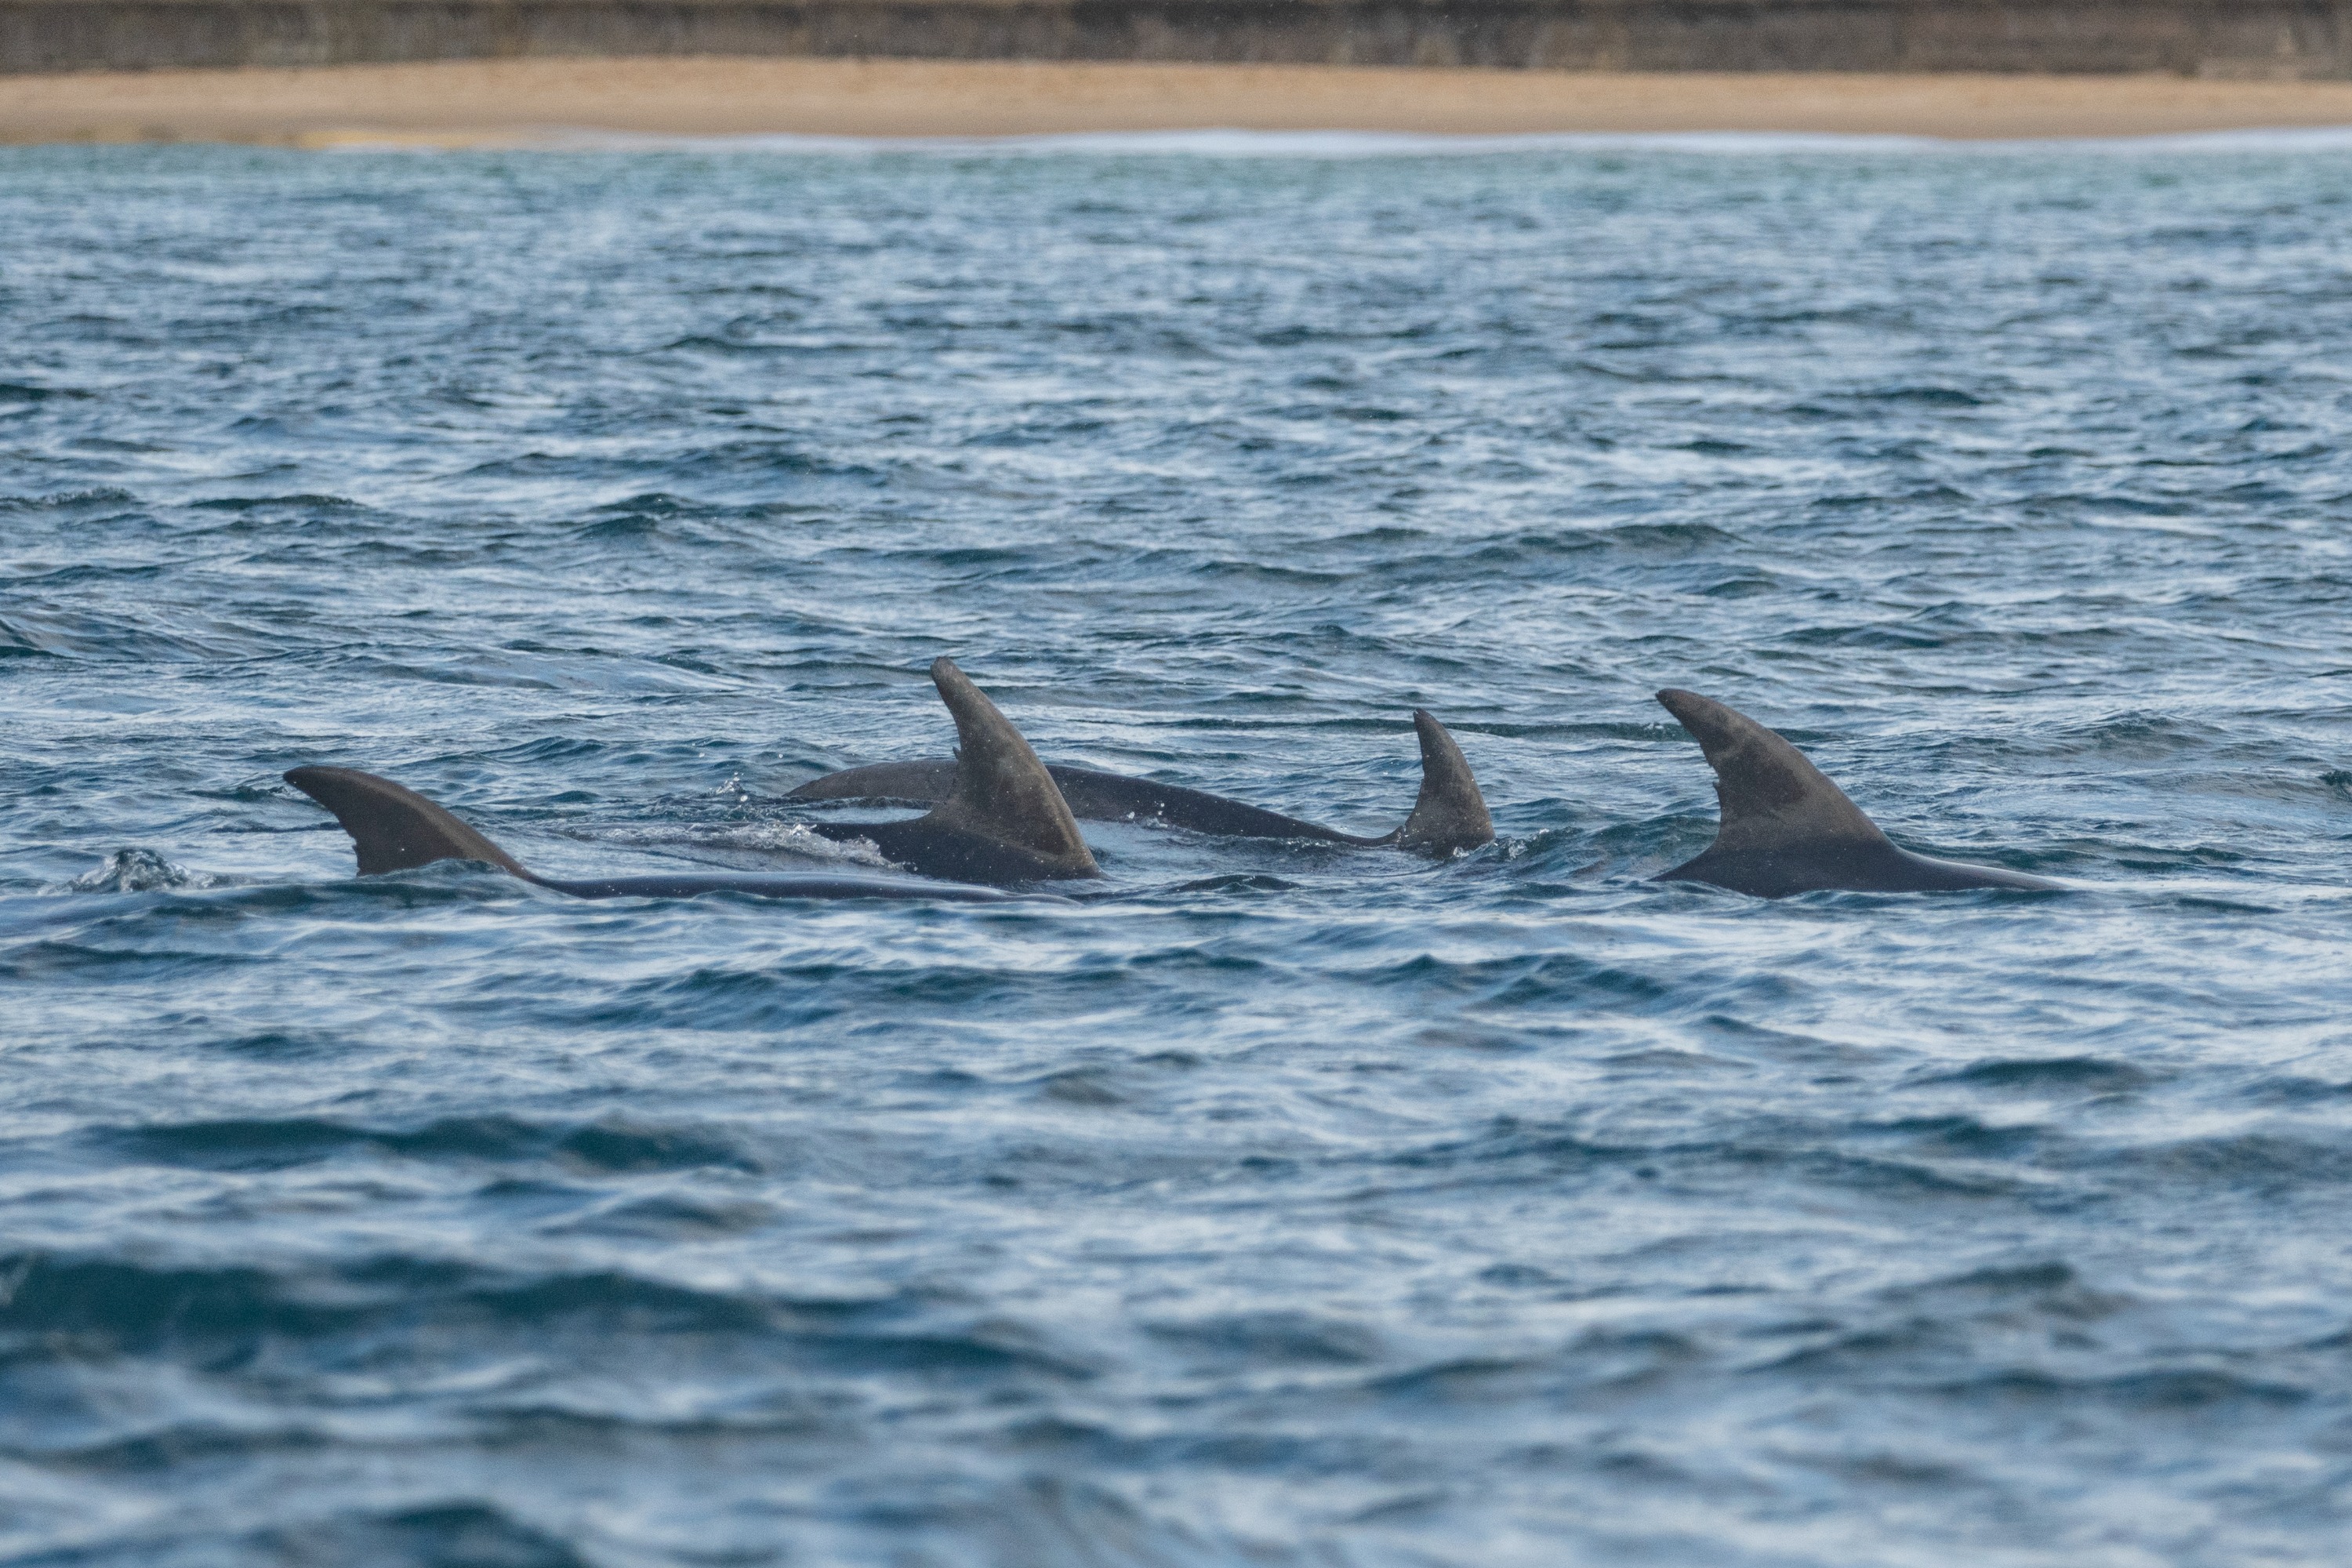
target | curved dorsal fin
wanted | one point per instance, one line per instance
(395, 829)
(1449, 814)
(1772, 798)
(1001, 792)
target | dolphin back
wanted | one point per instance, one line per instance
(1091, 795)
(689, 885)
(1786, 828)
(1114, 798)
(1449, 815)
(393, 828)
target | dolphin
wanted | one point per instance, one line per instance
(1002, 821)
(1448, 815)
(1787, 829)
(1000, 818)
(395, 829)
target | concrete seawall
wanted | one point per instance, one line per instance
(2212, 38)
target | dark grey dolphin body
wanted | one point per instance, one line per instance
(1450, 814)
(1092, 796)
(1787, 829)
(395, 829)
(1000, 818)
(1002, 821)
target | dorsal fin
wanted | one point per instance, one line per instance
(1772, 798)
(1001, 792)
(1449, 814)
(927, 780)
(395, 829)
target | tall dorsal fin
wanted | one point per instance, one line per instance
(395, 829)
(1001, 792)
(1772, 798)
(1449, 814)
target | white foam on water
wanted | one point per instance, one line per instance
(759, 838)
(134, 870)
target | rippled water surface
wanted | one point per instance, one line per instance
(1272, 1204)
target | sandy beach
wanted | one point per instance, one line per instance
(474, 102)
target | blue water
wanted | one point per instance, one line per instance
(1273, 1204)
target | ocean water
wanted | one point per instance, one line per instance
(1268, 1203)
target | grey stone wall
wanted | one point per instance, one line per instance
(2188, 37)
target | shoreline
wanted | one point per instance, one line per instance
(511, 102)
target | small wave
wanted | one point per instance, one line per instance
(2259, 1160)
(2075, 1075)
(610, 1146)
(1295, 1336)
(64, 501)
(96, 1299)
(1471, 1380)
(2157, 1390)
(459, 1529)
(2050, 1287)
(78, 634)
(20, 392)
(304, 505)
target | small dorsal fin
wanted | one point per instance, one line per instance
(1001, 792)
(1449, 814)
(1772, 798)
(927, 780)
(395, 829)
